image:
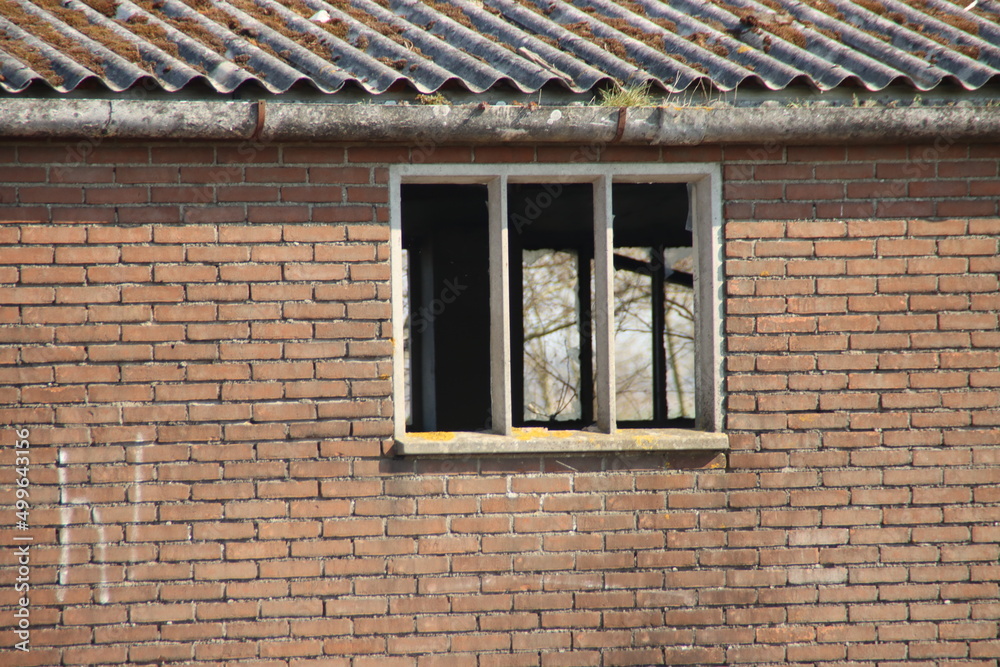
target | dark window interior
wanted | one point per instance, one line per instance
(446, 239)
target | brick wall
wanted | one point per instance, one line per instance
(197, 339)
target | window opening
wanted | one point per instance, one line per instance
(552, 310)
(446, 240)
(551, 245)
(654, 305)
(552, 377)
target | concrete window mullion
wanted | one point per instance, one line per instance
(499, 308)
(604, 309)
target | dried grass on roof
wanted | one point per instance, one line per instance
(531, 6)
(957, 21)
(874, 6)
(393, 63)
(336, 26)
(106, 7)
(108, 38)
(270, 18)
(186, 25)
(213, 13)
(451, 11)
(787, 32)
(615, 47)
(969, 50)
(151, 32)
(43, 30)
(341, 29)
(32, 58)
(458, 15)
(640, 10)
(580, 28)
(548, 39)
(708, 42)
(826, 7)
(584, 30)
(390, 30)
(979, 10)
(778, 24)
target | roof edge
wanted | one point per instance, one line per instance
(484, 124)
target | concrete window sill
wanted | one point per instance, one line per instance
(544, 441)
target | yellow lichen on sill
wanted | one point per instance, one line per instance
(434, 436)
(543, 441)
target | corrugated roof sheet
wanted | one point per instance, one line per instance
(495, 44)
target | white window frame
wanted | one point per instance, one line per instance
(705, 188)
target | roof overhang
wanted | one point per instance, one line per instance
(486, 124)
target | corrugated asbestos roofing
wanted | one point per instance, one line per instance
(481, 45)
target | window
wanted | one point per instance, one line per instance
(556, 308)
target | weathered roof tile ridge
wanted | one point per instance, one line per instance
(519, 46)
